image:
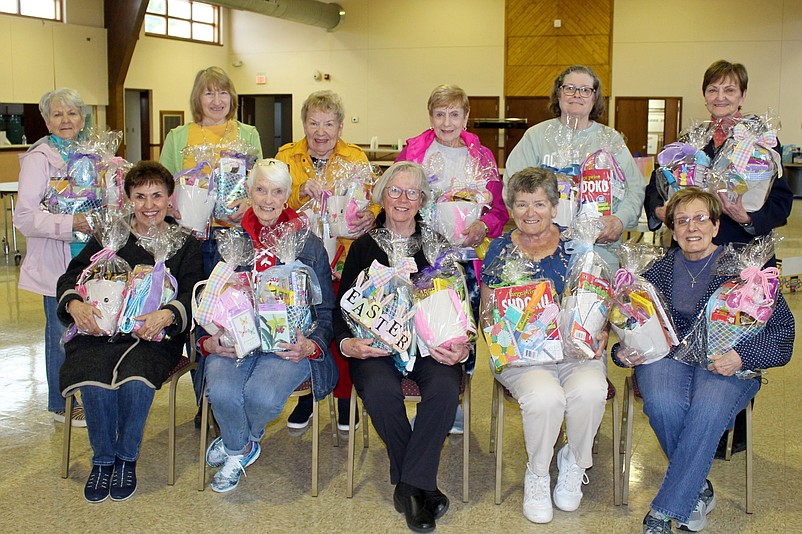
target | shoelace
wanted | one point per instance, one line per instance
(655, 525)
(573, 478)
(538, 486)
(232, 464)
(99, 479)
(123, 479)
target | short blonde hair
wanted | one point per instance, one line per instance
(448, 95)
(403, 166)
(326, 101)
(274, 171)
(212, 78)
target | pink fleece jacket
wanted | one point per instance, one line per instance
(497, 216)
(47, 235)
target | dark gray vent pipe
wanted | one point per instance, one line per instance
(311, 12)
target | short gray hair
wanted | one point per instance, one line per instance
(403, 166)
(274, 171)
(65, 95)
(529, 180)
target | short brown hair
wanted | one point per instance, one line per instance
(529, 180)
(446, 95)
(721, 70)
(212, 78)
(689, 194)
(598, 104)
(148, 172)
(326, 101)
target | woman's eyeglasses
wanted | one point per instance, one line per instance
(571, 90)
(698, 220)
(395, 192)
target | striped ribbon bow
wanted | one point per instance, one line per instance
(746, 139)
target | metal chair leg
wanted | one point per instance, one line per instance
(466, 438)
(315, 445)
(493, 404)
(65, 452)
(499, 436)
(349, 490)
(616, 454)
(204, 430)
(626, 439)
(749, 458)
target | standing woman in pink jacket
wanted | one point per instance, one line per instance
(49, 235)
(459, 153)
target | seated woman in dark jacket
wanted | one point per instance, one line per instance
(414, 453)
(690, 407)
(118, 377)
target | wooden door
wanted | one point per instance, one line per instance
(632, 120)
(485, 107)
(672, 120)
(534, 109)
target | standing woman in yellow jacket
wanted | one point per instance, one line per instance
(310, 160)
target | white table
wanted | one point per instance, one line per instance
(10, 190)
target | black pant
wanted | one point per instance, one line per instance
(414, 454)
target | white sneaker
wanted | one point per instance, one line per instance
(537, 504)
(568, 490)
(704, 505)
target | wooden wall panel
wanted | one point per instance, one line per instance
(536, 52)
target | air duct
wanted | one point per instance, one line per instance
(310, 12)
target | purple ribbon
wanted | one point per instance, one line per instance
(675, 152)
(623, 277)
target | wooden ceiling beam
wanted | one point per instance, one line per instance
(123, 20)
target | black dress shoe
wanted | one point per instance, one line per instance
(419, 519)
(435, 502)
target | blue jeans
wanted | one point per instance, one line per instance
(115, 419)
(248, 394)
(689, 409)
(54, 354)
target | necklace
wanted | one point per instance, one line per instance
(222, 137)
(699, 273)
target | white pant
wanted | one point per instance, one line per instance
(574, 390)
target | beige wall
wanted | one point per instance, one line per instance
(663, 49)
(384, 60)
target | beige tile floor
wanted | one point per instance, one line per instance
(275, 495)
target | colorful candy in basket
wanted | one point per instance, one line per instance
(230, 177)
(638, 314)
(603, 184)
(443, 316)
(288, 293)
(347, 185)
(740, 308)
(747, 163)
(195, 196)
(380, 304)
(84, 186)
(102, 283)
(520, 316)
(227, 302)
(151, 286)
(460, 195)
(570, 151)
(587, 295)
(684, 163)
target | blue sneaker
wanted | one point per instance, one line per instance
(227, 478)
(653, 524)
(98, 484)
(123, 483)
(216, 453)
